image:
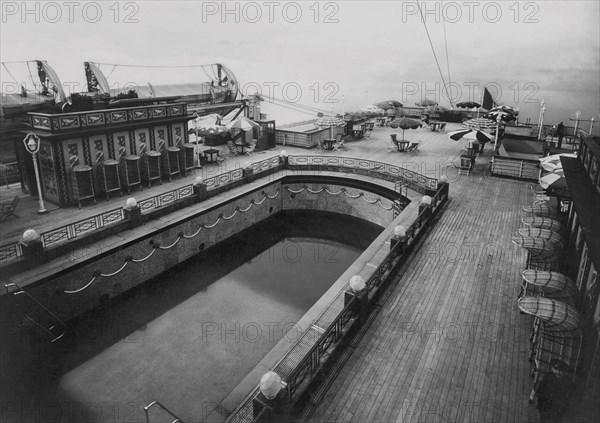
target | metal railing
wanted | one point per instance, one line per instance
(56, 327)
(158, 404)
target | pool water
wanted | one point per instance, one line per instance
(191, 335)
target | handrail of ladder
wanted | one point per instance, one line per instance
(18, 291)
(153, 403)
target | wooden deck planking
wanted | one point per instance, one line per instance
(424, 379)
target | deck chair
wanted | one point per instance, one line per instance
(233, 151)
(9, 209)
(338, 138)
(250, 149)
(394, 139)
(337, 145)
(442, 127)
(391, 146)
(413, 147)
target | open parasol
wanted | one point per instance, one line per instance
(470, 134)
(405, 123)
(556, 315)
(468, 104)
(242, 123)
(481, 124)
(426, 102)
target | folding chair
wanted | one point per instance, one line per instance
(337, 145)
(442, 127)
(250, 149)
(9, 209)
(413, 147)
(233, 151)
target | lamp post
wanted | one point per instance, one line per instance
(577, 115)
(542, 110)
(498, 120)
(32, 145)
(591, 125)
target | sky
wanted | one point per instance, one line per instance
(331, 56)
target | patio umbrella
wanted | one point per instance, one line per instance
(543, 222)
(468, 104)
(505, 109)
(550, 281)
(329, 122)
(505, 116)
(470, 134)
(405, 123)
(556, 315)
(426, 102)
(242, 123)
(481, 124)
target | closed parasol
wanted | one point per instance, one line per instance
(543, 222)
(556, 315)
(540, 248)
(405, 123)
(550, 281)
(541, 210)
(551, 236)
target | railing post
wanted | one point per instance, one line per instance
(133, 213)
(32, 247)
(200, 189)
(248, 173)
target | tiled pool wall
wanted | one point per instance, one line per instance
(196, 231)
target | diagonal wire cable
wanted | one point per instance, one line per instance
(433, 51)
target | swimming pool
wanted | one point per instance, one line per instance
(188, 337)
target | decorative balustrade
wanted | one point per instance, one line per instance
(261, 168)
(81, 120)
(166, 198)
(84, 226)
(386, 171)
(11, 251)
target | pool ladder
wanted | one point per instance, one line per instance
(54, 330)
(158, 404)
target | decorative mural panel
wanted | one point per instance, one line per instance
(68, 122)
(178, 134)
(176, 110)
(142, 139)
(41, 122)
(158, 112)
(48, 177)
(140, 114)
(95, 119)
(160, 136)
(117, 117)
(121, 144)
